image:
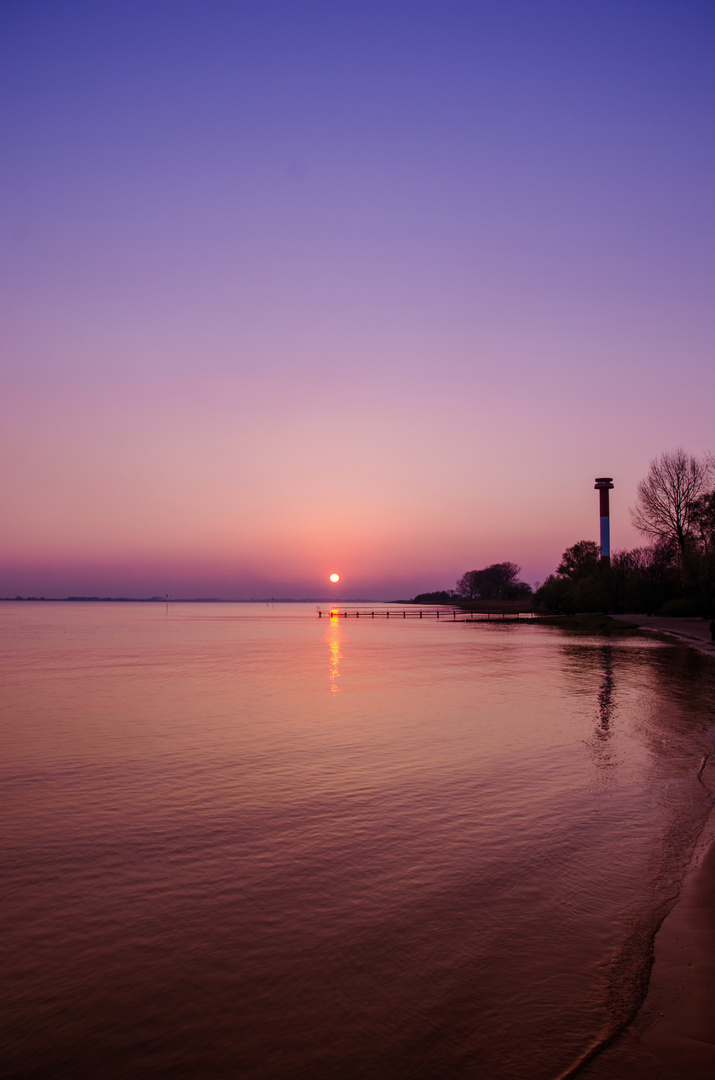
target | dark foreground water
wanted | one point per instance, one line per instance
(240, 841)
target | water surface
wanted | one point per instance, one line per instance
(239, 840)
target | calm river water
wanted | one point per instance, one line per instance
(242, 841)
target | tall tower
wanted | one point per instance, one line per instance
(603, 485)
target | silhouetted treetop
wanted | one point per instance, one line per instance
(442, 596)
(580, 560)
(495, 582)
(669, 497)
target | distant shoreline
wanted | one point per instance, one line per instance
(189, 600)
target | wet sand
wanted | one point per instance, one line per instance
(677, 1021)
(695, 632)
(673, 1035)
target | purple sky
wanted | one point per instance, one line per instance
(373, 287)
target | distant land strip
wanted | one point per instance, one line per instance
(194, 600)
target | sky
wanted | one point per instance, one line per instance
(375, 288)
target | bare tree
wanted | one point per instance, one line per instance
(704, 523)
(669, 495)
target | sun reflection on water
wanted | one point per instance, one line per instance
(333, 636)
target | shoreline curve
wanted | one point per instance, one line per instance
(672, 1035)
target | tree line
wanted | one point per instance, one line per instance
(673, 573)
(500, 581)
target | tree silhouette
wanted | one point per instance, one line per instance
(580, 560)
(669, 497)
(491, 583)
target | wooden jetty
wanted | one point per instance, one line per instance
(387, 613)
(420, 613)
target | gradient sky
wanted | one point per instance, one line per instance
(374, 287)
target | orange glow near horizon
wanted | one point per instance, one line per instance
(219, 378)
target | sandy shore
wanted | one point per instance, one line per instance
(673, 1035)
(694, 632)
(677, 1020)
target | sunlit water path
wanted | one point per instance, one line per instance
(242, 841)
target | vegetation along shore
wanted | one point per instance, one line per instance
(670, 583)
(672, 575)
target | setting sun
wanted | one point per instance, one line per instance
(335, 577)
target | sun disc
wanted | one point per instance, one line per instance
(335, 577)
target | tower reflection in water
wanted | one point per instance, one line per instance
(603, 752)
(334, 638)
(605, 694)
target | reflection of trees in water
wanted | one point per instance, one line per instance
(666, 693)
(683, 705)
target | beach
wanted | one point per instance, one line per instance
(695, 632)
(673, 1035)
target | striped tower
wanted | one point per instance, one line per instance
(603, 485)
